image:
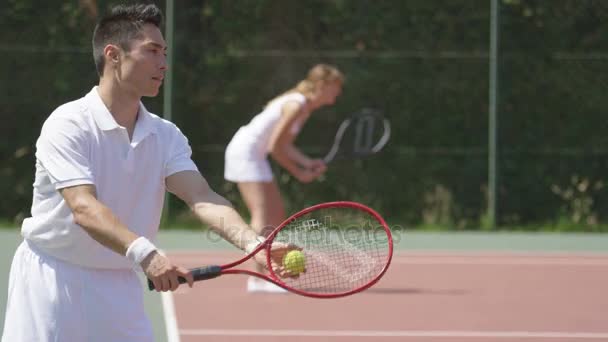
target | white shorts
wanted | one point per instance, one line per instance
(244, 164)
(51, 300)
(247, 170)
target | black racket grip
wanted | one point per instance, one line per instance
(201, 273)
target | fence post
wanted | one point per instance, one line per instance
(168, 84)
(493, 115)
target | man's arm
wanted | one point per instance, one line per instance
(103, 226)
(214, 210)
(211, 208)
(97, 219)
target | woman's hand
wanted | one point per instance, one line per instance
(311, 171)
(305, 175)
(317, 165)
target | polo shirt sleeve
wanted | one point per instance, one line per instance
(62, 149)
(179, 154)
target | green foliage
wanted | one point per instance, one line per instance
(423, 62)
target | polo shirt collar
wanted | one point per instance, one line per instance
(106, 122)
(144, 125)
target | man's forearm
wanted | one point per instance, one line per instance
(224, 220)
(99, 222)
(211, 208)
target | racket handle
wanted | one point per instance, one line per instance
(201, 273)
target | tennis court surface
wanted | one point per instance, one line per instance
(460, 294)
(450, 287)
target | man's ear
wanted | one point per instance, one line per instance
(111, 53)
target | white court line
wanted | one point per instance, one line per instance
(456, 260)
(169, 314)
(435, 253)
(438, 260)
(393, 333)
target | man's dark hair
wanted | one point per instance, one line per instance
(120, 26)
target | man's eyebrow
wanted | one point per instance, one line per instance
(160, 46)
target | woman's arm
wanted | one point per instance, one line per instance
(283, 150)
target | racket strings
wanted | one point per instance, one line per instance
(345, 249)
(368, 134)
(360, 135)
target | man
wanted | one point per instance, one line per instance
(103, 164)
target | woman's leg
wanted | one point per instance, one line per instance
(263, 199)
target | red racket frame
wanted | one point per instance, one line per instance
(227, 268)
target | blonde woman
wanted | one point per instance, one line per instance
(273, 132)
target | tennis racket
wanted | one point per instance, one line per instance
(362, 134)
(347, 248)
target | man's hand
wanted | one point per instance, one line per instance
(277, 253)
(163, 273)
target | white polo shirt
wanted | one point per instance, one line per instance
(81, 143)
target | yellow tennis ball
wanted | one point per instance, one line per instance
(294, 262)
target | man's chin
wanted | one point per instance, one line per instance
(151, 93)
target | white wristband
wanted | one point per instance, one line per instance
(139, 249)
(251, 246)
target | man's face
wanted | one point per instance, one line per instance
(142, 69)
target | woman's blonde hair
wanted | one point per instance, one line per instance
(317, 76)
